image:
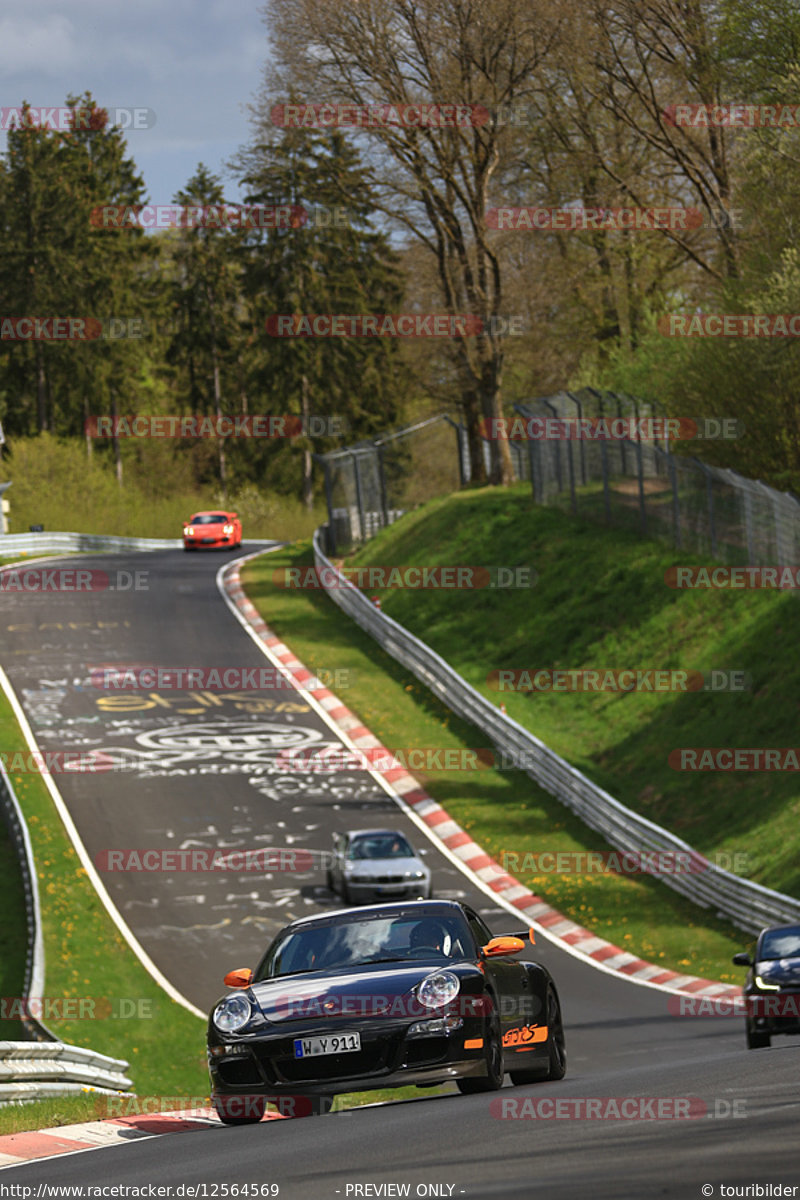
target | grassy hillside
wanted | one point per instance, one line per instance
(600, 600)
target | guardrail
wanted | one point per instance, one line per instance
(44, 1065)
(748, 905)
(33, 981)
(27, 543)
(32, 1071)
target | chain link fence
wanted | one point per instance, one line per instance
(640, 485)
(371, 484)
(632, 483)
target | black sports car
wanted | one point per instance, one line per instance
(772, 987)
(416, 992)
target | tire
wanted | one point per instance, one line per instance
(756, 1040)
(229, 1109)
(557, 1062)
(495, 1069)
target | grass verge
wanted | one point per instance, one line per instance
(500, 809)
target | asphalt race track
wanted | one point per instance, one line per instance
(201, 772)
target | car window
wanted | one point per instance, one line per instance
(479, 929)
(349, 943)
(383, 846)
(780, 943)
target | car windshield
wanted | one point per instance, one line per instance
(208, 519)
(354, 942)
(384, 845)
(780, 943)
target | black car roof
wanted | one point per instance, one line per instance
(396, 908)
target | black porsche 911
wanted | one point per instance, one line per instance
(772, 987)
(416, 992)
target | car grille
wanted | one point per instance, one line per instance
(239, 1071)
(425, 1051)
(332, 1066)
(391, 879)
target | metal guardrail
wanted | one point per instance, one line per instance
(30, 1071)
(55, 1067)
(748, 905)
(68, 543)
(33, 981)
(26, 543)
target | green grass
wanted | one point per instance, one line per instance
(86, 958)
(503, 810)
(601, 601)
(55, 485)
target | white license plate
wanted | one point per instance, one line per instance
(334, 1043)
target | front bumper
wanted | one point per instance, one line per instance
(773, 1012)
(374, 892)
(388, 1058)
(207, 543)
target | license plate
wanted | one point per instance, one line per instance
(335, 1043)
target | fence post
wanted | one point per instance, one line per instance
(606, 487)
(328, 500)
(559, 484)
(362, 522)
(579, 406)
(640, 470)
(710, 496)
(382, 486)
(676, 504)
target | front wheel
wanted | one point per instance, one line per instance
(756, 1040)
(239, 1110)
(495, 1070)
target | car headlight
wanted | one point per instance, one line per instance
(232, 1014)
(227, 529)
(438, 990)
(766, 987)
(415, 874)
(190, 530)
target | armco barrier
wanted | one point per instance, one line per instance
(748, 905)
(33, 981)
(53, 1068)
(74, 543)
(70, 543)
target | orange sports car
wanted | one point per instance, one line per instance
(214, 528)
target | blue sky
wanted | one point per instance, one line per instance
(196, 63)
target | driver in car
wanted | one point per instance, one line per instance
(431, 935)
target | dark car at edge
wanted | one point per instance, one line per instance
(772, 986)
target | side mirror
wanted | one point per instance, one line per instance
(242, 977)
(234, 516)
(500, 946)
(742, 959)
(525, 934)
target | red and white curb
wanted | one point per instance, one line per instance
(553, 923)
(19, 1148)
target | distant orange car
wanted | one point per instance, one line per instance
(206, 530)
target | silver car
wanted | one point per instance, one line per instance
(377, 864)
